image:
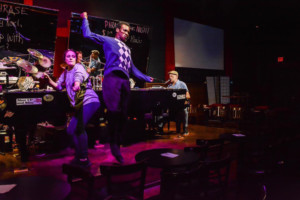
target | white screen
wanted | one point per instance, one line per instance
(198, 46)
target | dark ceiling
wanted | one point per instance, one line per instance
(240, 11)
(219, 12)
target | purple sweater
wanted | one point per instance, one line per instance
(77, 73)
(117, 54)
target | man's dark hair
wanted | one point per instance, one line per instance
(122, 23)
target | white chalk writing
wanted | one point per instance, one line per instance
(10, 23)
(134, 39)
(106, 32)
(135, 28)
(11, 38)
(110, 24)
(11, 35)
(140, 29)
(14, 38)
(10, 9)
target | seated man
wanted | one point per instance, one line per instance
(95, 63)
(181, 115)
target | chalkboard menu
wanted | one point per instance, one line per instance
(23, 27)
(138, 42)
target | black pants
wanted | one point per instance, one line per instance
(116, 91)
(24, 129)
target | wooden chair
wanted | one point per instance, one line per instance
(201, 182)
(124, 181)
(181, 183)
(201, 149)
(74, 173)
(214, 176)
(215, 147)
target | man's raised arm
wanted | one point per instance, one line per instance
(86, 30)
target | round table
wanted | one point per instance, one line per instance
(36, 188)
(167, 159)
(156, 158)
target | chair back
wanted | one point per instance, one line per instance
(191, 183)
(215, 147)
(180, 183)
(75, 172)
(202, 150)
(216, 173)
(125, 181)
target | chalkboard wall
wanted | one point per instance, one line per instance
(138, 42)
(23, 27)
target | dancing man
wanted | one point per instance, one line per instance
(116, 86)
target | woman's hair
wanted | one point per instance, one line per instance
(65, 53)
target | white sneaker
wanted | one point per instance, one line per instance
(178, 137)
(186, 133)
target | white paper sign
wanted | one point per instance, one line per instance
(169, 155)
(181, 96)
(28, 101)
(6, 188)
(238, 135)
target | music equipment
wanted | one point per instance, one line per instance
(25, 82)
(146, 100)
(11, 80)
(43, 60)
(9, 60)
(41, 105)
(35, 53)
(39, 75)
(42, 102)
(6, 68)
(27, 66)
(96, 82)
(167, 81)
(47, 53)
(155, 85)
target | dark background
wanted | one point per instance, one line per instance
(38, 25)
(256, 33)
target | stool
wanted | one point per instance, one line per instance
(235, 111)
(218, 111)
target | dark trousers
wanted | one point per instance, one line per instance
(181, 117)
(76, 128)
(116, 91)
(22, 131)
(25, 126)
